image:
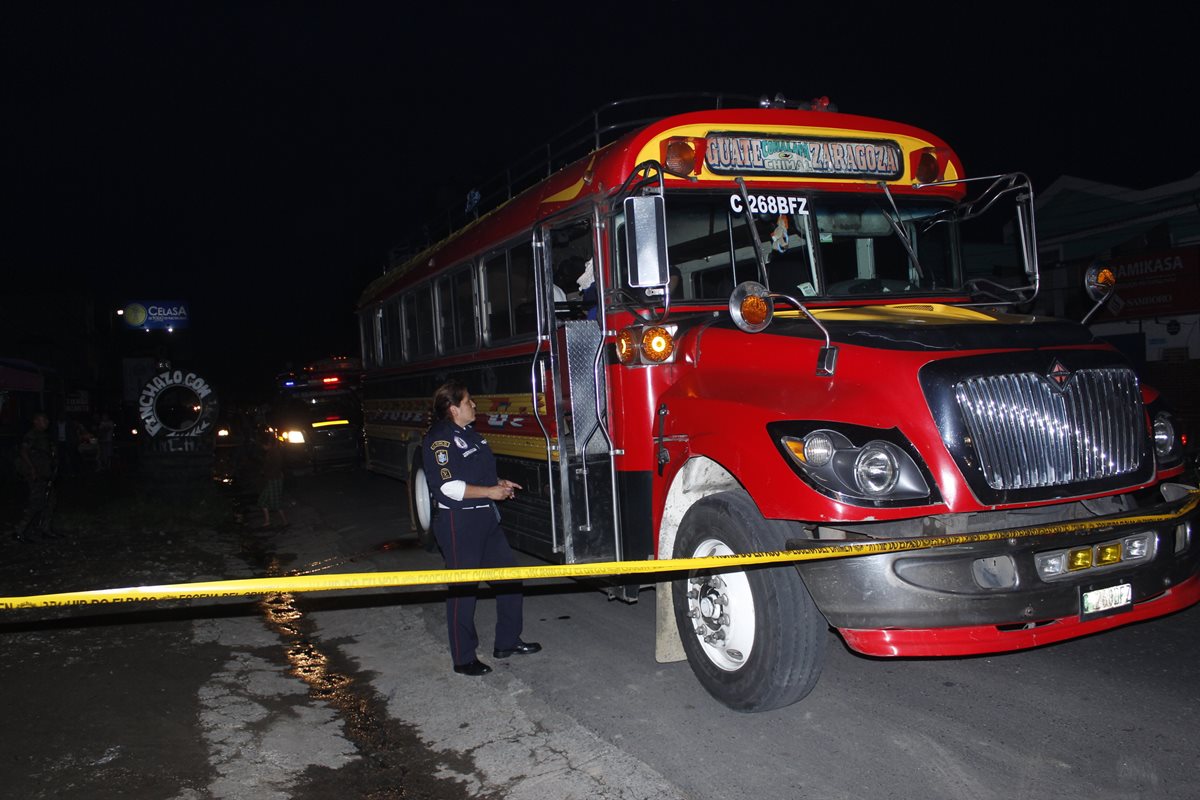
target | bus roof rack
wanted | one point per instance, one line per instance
(602, 126)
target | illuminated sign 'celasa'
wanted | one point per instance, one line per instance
(169, 314)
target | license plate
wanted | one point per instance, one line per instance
(1108, 600)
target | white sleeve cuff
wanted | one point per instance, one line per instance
(454, 489)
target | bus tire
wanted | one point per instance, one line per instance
(754, 637)
(420, 503)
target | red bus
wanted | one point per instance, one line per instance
(750, 328)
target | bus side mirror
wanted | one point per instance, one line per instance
(646, 241)
(1100, 283)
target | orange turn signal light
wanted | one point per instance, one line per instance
(754, 309)
(657, 344)
(626, 349)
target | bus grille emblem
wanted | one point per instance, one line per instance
(1059, 374)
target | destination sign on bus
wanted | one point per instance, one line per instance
(742, 153)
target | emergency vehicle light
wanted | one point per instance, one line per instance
(327, 423)
(330, 379)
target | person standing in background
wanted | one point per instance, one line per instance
(105, 429)
(37, 463)
(271, 497)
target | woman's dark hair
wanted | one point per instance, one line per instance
(450, 393)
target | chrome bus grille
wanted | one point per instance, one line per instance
(1029, 432)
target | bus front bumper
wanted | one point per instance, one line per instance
(992, 597)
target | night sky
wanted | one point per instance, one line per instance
(258, 161)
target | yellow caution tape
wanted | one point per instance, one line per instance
(428, 577)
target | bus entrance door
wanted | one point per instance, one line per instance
(582, 481)
(587, 513)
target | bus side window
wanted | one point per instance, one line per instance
(463, 295)
(408, 324)
(497, 310)
(445, 314)
(367, 329)
(390, 329)
(418, 322)
(521, 289)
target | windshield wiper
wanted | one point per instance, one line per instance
(900, 232)
(758, 248)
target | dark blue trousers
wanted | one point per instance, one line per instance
(471, 539)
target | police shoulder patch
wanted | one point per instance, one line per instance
(439, 443)
(442, 457)
(445, 474)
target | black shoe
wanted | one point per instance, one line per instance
(473, 668)
(519, 649)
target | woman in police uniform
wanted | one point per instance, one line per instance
(461, 471)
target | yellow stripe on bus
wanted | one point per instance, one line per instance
(506, 444)
(511, 404)
(380, 580)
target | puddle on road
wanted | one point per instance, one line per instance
(314, 567)
(395, 762)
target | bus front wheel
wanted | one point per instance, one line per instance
(421, 504)
(753, 637)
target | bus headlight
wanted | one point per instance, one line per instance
(876, 470)
(1165, 439)
(818, 448)
(880, 470)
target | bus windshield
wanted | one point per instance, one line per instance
(813, 246)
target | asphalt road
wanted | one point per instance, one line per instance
(351, 694)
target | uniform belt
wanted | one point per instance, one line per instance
(464, 508)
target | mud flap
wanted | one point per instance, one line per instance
(667, 645)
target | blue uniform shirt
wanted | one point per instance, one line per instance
(451, 453)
